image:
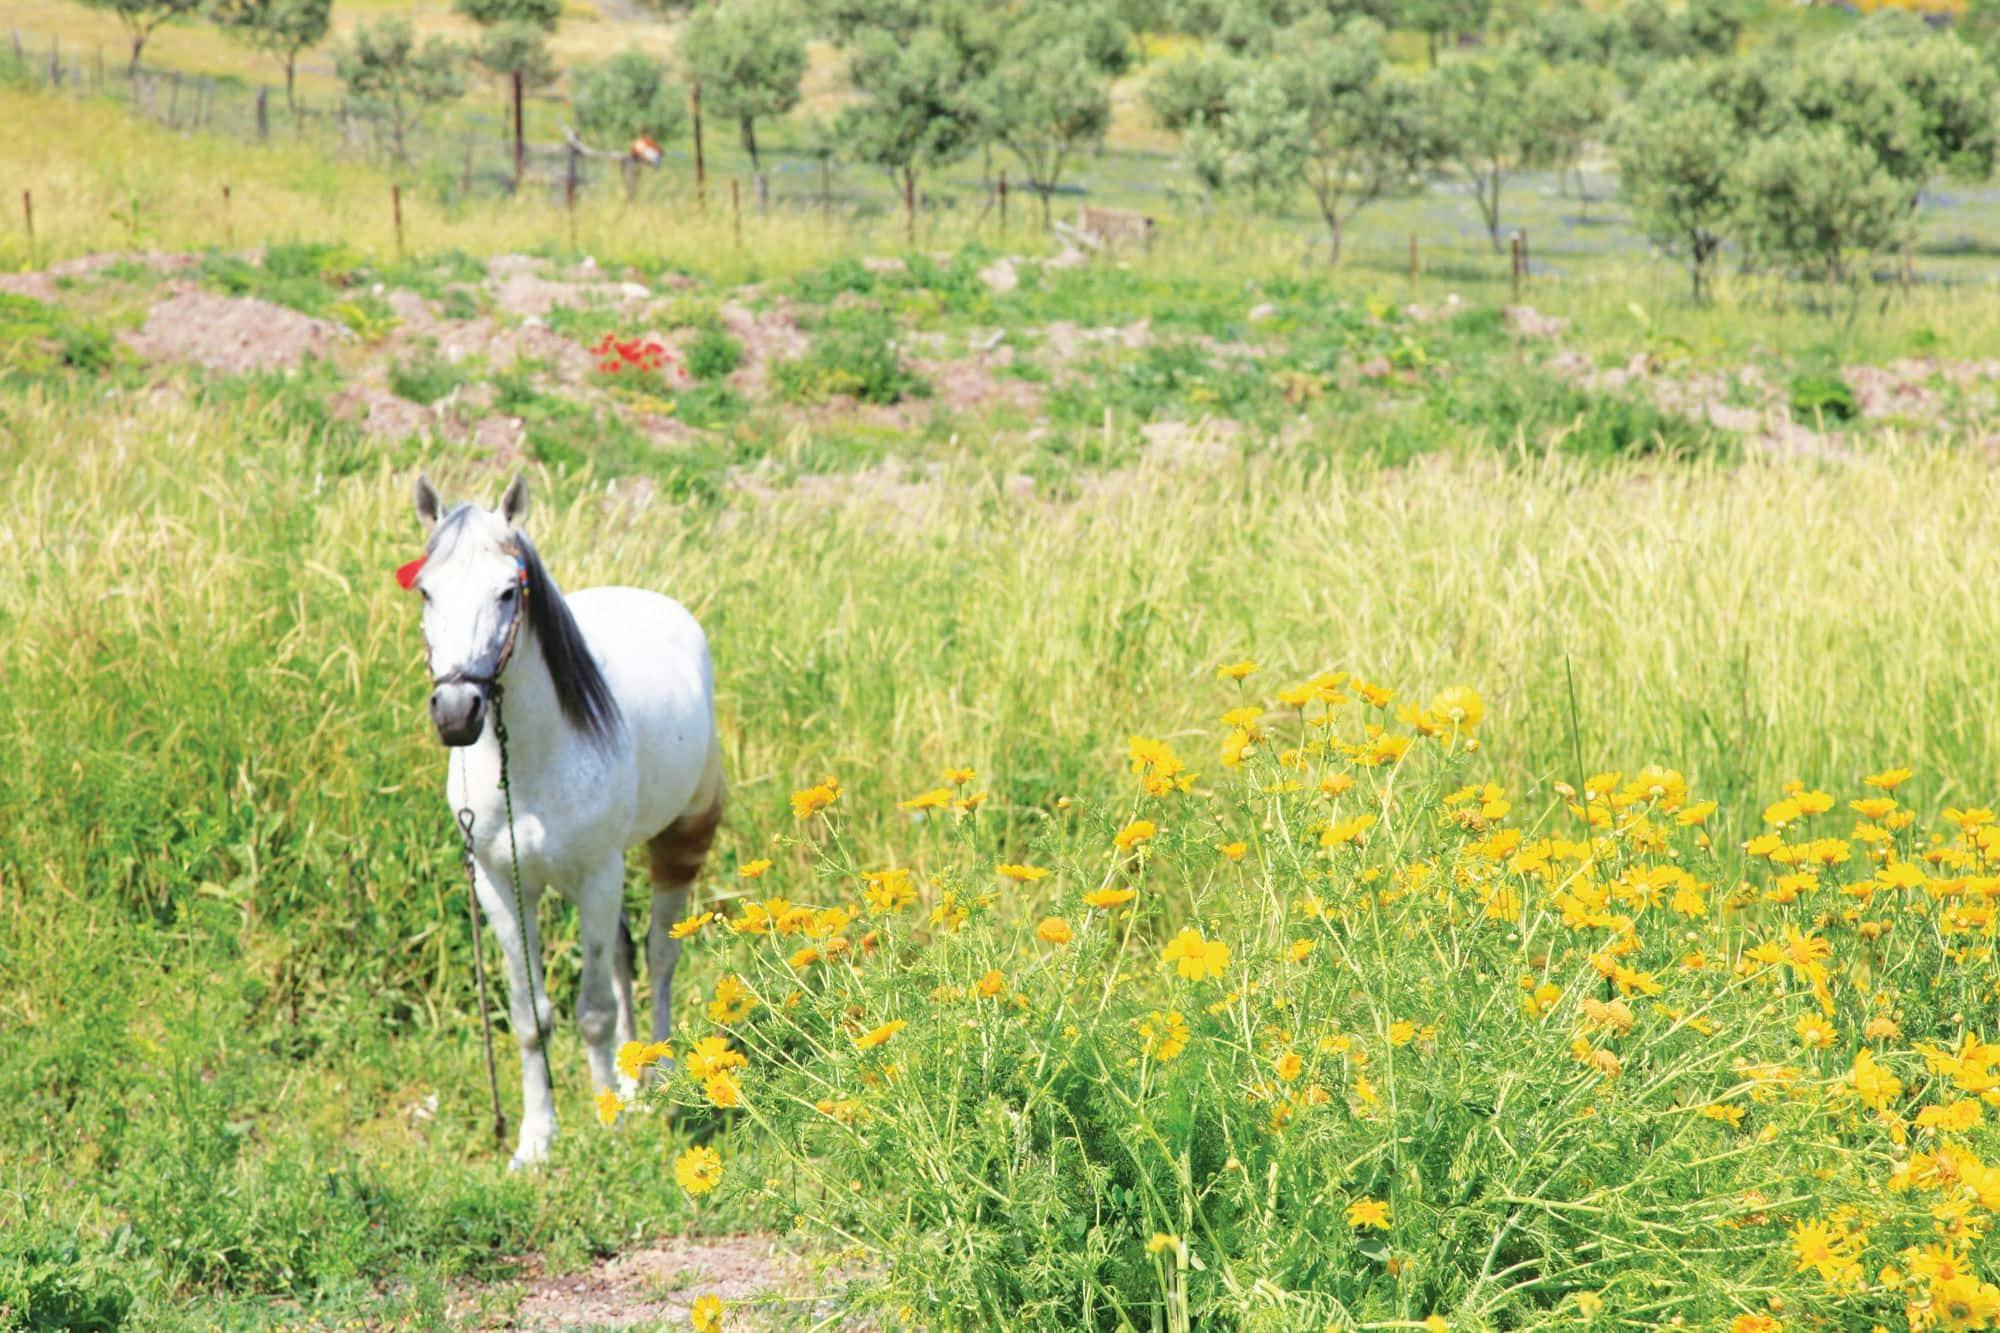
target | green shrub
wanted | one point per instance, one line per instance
(424, 378)
(712, 353)
(1822, 396)
(38, 339)
(709, 406)
(853, 354)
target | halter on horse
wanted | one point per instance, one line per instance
(608, 741)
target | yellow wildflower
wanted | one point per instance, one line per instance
(1196, 956)
(699, 1169)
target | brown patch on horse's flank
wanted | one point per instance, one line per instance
(677, 851)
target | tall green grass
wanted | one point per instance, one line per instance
(231, 920)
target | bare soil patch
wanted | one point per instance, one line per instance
(760, 1282)
(232, 333)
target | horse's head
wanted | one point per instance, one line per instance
(473, 579)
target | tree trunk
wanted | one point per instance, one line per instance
(291, 82)
(138, 45)
(1332, 243)
(910, 202)
(520, 140)
(749, 128)
(1491, 205)
(1048, 205)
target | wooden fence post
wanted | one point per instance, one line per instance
(228, 221)
(1514, 256)
(263, 112)
(1527, 268)
(28, 217)
(396, 208)
(569, 194)
(735, 211)
(910, 204)
(700, 163)
(1003, 204)
(1413, 263)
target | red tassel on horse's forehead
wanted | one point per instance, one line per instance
(406, 576)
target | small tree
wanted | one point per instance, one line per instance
(1264, 137)
(514, 48)
(1365, 131)
(1189, 97)
(1049, 93)
(385, 69)
(1954, 89)
(1562, 107)
(141, 18)
(1813, 199)
(1441, 20)
(1479, 116)
(628, 97)
(1676, 149)
(914, 113)
(749, 57)
(283, 29)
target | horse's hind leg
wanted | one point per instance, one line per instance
(677, 852)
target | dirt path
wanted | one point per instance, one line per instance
(761, 1282)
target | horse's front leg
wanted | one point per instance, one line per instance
(600, 908)
(521, 944)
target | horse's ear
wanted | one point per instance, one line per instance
(427, 500)
(514, 504)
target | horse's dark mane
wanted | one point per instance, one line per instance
(581, 689)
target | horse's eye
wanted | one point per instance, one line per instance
(506, 596)
(426, 595)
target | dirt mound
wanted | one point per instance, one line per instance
(232, 333)
(767, 336)
(45, 286)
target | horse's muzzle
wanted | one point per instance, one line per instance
(458, 711)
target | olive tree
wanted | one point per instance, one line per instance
(1362, 124)
(914, 113)
(283, 29)
(748, 56)
(1563, 106)
(1048, 95)
(386, 70)
(1189, 97)
(1441, 20)
(1479, 112)
(1814, 199)
(627, 97)
(1676, 148)
(141, 18)
(514, 47)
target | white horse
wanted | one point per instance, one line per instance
(608, 700)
